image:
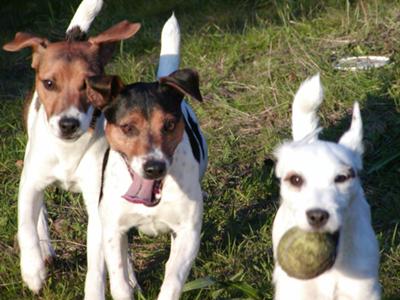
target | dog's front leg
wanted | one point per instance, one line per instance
(95, 276)
(115, 245)
(184, 247)
(30, 201)
(44, 238)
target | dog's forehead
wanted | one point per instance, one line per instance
(143, 98)
(316, 157)
(66, 52)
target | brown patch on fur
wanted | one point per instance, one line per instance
(66, 65)
(146, 134)
(168, 141)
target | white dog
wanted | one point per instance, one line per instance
(321, 191)
(153, 170)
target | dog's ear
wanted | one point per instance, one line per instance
(101, 90)
(106, 41)
(23, 40)
(185, 81)
(352, 138)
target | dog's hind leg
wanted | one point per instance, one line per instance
(44, 238)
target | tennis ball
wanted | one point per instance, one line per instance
(305, 255)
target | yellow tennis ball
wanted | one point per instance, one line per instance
(304, 254)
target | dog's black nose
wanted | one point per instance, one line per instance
(154, 169)
(317, 217)
(68, 126)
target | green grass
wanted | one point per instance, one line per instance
(251, 56)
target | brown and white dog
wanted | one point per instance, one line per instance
(65, 139)
(153, 170)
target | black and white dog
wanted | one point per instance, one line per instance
(152, 173)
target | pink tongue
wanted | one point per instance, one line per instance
(140, 190)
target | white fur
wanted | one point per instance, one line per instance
(354, 275)
(179, 211)
(72, 112)
(85, 14)
(304, 112)
(170, 43)
(75, 166)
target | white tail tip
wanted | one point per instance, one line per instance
(85, 14)
(308, 98)
(170, 43)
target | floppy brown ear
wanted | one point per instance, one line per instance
(106, 40)
(102, 89)
(23, 40)
(186, 81)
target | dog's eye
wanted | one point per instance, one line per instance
(341, 178)
(296, 180)
(169, 126)
(344, 177)
(129, 129)
(48, 84)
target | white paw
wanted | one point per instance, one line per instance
(33, 273)
(121, 292)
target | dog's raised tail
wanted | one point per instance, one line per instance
(170, 43)
(84, 16)
(305, 105)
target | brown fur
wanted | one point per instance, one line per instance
(68, 63)
(147, 134)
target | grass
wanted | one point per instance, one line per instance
(251, 56)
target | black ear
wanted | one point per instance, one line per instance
(186, 81)
(102, 89)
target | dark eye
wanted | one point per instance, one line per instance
(344, 177)
(129, 129)
(296, 180)
(169, 126)
(341, 178)
(48, 84)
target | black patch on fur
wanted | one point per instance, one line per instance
(75, 34)
(195, 129)
(194, 144)
(143, 97)
(103, 169)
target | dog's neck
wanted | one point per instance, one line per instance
(354, 250)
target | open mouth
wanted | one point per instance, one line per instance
(143, 191)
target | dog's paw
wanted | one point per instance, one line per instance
(121, 292)
(33, 273)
